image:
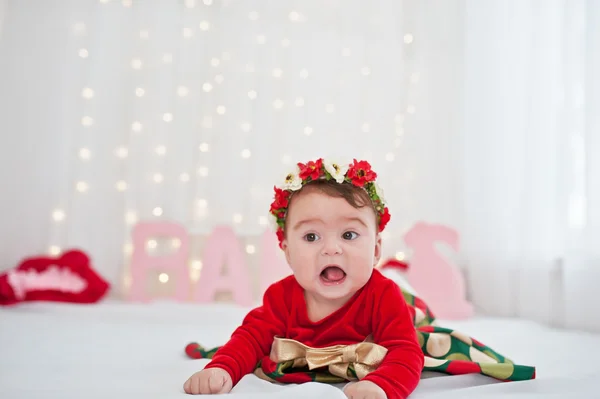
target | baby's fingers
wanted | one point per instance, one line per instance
(216, 383)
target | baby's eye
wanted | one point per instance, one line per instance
(311, 237)
(350, 235)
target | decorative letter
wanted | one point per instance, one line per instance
(273, 266)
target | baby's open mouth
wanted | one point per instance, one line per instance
(333, 275)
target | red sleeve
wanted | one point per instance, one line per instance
(400, 372)
(250, 342)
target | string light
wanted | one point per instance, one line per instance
(82, 186)
(139, 92)
(167, 117)
(207, 87)
(151, 244)
(182, 91)
(136, 63)
(237, 218)
(277, 73)
(219, 78)
(58, 215)
(414, 77)
(54, 250)
(246, 127)
(136, 127)
(252, 94)
(187, 33)
(122, 152)
(204, 26)
(131, 217)
(203, 171)
(184, 177)
(207, 122)
(121, 185)
(299, 102)
(83, 53)
(84, 154)
(190, 3)
(176, 243)
(308, 130)
(250, 249)
(208, 2)
(400, 256)
(408, 38)
(87, 121)
(221, 110)
(87, 93)
(366, 71)
(163, 278)
(215, 62)
(246, 153)
(158, 178)
(286, 159)
(127, 3)
(158, 211)
(278, 104)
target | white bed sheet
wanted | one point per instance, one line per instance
(135, 351)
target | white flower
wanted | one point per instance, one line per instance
(292, 182)
(336, 170)
(379, 192)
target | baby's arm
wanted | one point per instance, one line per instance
(400, 372)
(247, 345)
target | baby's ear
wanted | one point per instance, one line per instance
(377, 252)
(286, 250)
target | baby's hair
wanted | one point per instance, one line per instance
(355, 196)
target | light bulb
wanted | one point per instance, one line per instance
(187, 33)
(122, 152)
(130, 217)
(215, 62)
(54, 250)
(246, 153)
(163, 278)
(176, 243)
(58, 215)
(278, 104)
(308, 130)
(202, 203)
(83, 53)
(221, 110)
(204, 25)
(197, 264)
(203, 171)
(82, 186)
(87, 93)
(237, 218)
(139, 92)
(277, 72)
(252, 94)
(121, 185)
(158, 178)
(408, 38)
(79, 28)
(207, 87)
(151, 244)
(400, 256)
(167, 117)
(366, 71)
(250, 249)
(204, 147)
(158, 211)
(128, 249)
(182, 91)
(246, 127)
(87, 121)
(136, 63)
(84, 153)
(184, 177)
(294, 16)
(136, 126)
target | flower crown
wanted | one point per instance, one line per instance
(357, 173)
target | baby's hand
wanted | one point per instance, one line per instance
(209, 381)
(364, 390)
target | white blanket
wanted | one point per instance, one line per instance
(135, 351)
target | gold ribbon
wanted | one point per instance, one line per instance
(365, 356)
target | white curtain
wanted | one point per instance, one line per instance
(476, 114)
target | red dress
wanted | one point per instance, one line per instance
(378, 309)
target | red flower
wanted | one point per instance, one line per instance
(360, 173)
(384, 218)
(280, 236)
(281, 199)
(312, 169)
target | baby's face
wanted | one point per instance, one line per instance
(331, 246)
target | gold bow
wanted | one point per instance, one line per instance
(365, 357)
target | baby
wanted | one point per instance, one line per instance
(329, 219)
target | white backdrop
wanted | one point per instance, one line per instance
(476, 114)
